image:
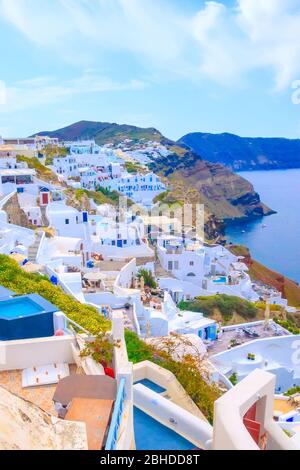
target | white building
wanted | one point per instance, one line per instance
(142, 189)
(278, 355)
(13, 236)
(66, 166)
(163, 318)
(202, 270)
(15, 179)
(67, 221)
(118, 239)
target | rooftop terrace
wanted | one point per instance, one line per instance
(236, 334)
(39, 395)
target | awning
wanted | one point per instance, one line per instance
(32, 268)
(94, 276)
(17, 257)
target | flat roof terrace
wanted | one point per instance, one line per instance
(41, 395)
(236, 334)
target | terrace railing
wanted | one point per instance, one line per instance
(70, 322)
(112, 438)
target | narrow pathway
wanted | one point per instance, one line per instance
(33, 249)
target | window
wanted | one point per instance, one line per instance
(67, 221)
(191, 263)
(176, 265)
(170, 265)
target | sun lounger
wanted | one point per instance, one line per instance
(44, 375)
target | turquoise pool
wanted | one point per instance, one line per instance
(17, 308)
(151, 435)
(153, 386)
(221, 279)
(27, 316)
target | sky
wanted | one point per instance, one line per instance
(178, 65)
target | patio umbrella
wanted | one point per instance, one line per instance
(94, 276)
(17, 257)
(32, 268)
(20, 249)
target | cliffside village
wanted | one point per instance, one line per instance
(104, 258)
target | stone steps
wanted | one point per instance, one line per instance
(33, 249)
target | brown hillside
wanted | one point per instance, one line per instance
(289, 289)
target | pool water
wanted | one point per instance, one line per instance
(16, 308)
(152, 435)
(221, 279)
(153, 386)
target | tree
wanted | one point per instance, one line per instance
(101, 349)
(148, 278)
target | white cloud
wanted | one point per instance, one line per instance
(219, 42)
(46, 90)
(254, 35)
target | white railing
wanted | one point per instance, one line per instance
(6, 198)
(135, 320)
(40, 245)
(112, 438)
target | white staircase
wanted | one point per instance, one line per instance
(33, 249)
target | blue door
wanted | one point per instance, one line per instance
(120, 243)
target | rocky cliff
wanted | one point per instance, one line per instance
(15, 214)
(224, 194)
(245, 153)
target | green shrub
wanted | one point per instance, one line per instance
(134, 168)
(148, 278)
(137, 349)
(292, 391)
(226, 304)
(288, 325)
(233, 379)
(13, 277)
(113, 195)
(41, 170)
(186, 371)
(101, 349)
(273, 307)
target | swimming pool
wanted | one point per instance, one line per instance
(221, 279)
(24, 317)
(153, 386)
(152, 435)
(18, 308)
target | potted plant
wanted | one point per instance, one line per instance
(251, 357)
(100, 349)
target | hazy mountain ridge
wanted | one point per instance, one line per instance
(245, 153)
(224, 194)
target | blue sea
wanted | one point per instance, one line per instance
(277, 245)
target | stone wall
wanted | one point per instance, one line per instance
(14, 212)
